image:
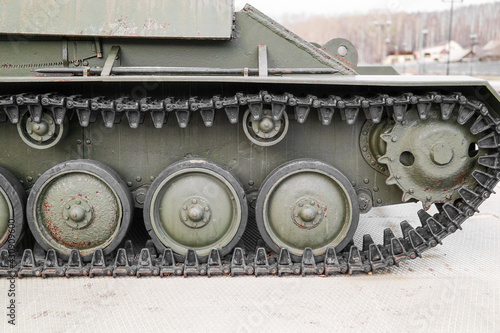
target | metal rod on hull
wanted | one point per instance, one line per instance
(185, 71)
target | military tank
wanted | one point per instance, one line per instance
(236, 146)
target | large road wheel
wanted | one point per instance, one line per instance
(196, 204)
(12, 203)
(80, 204)
(306, 203)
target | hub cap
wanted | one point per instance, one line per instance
(265, 131)
(42, 135)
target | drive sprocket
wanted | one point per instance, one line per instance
(430, 159)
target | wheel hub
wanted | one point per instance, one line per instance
(308, 213)
(195, 213)
(266, 131)
(77, 213)
(429, 160)
(42, 131)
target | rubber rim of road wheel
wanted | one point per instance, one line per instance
(277, 177)
(14, 193)
(101, 172)
(156, 194)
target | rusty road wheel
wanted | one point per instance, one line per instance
(80, 204)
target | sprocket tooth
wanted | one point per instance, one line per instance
(407, 196)
(367, 241)
(464, 114)
(388, 236)
(386, 137)
(391, 180)
(447, 110)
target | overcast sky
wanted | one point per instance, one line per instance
(277, 8)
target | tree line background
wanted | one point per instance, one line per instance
(374, 37)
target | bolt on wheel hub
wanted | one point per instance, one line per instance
(77, 213)
(308, 213)
(195, 212)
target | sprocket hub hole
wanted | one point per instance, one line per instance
(406, 158)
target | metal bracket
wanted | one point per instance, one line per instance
(110, 60)
(263, 70)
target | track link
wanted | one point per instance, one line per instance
(369, 258)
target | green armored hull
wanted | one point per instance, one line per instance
(195, 121)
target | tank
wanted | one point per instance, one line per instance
(183, 138)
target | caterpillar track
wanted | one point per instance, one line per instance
(183, 147)
(369, 257)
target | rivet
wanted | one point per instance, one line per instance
(151, 178)
(301, 204)
(265, 112)
(206, 209)
(51, 122)
(79, 142)
(379, 201)
(403, 122)
(365, 133)
(85, 221)
(30, 132)
(375, 189)
(251, 182)
(68, 206)
(256, 131)
(366, 180)
(372, 163)
(129, 184)
(30, 120)
(29, 178)
(185, 218)
(78, 202)
(296, 215)
(88, 210)
(184, 207)
(194, 201)
(312, 203)
(429, 198)
(392, 159)
(87, 141)
(394, 139)
(319, 211)
(276, 128)
(266, 136)
(138, 178)
(205, 219)
(398, 176)
(411, 191)
(50, 133)
(353, 184)
(365, 149)
(66, 218)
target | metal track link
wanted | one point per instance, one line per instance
(371, 257)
